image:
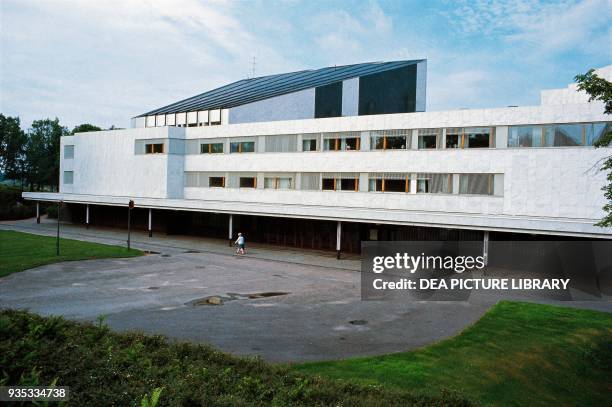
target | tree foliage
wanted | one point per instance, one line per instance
(601, 89)
(42, 152)
(85, 127)
(12, 147)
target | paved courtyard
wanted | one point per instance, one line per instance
(315, 314)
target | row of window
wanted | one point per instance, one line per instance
(441, 183)
(562, 135)
(188, 119)
(557, 135)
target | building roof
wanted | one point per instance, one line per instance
(264, 87)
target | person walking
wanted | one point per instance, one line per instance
(239, 243)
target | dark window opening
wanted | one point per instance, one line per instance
(211, 148)
(452, 141)
(349, 184)
(309, 145)
(478, 140)
(248, 182)
(329, 184)
(395, 185)
(218, 182)
(428, 142)
(242, 147)
(154, 148)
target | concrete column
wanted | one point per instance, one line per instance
(37, 212)
(413, 184)
(338, 239)
(150, 222)
(231, 220)
(485, 248)
(87, 216)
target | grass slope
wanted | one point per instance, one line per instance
(21, 251)
(517, 354)
(104, 368)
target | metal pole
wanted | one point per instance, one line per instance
(129, 226)
(87, 217)
(338, 239)
(231, 219)
(150, 222)
(57, 245)
(485, 248)
(38, 212)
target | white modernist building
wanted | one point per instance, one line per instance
(351, 145)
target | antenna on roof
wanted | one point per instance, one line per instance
(253, 67)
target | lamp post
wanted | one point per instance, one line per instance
(57, 245)
(130, 207)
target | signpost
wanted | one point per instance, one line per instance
(130, 207)
(57, 245)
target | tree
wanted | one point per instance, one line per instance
(12, 142)
(600, 89)
(85, 127)
(42, 152)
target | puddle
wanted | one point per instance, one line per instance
(192, 251)
(358, 322)
(153, 288)
(219, 300)
(149, 252)
(165, 255)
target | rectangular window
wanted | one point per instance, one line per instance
(242, 147)
(278, 183)
(349, 184)
(428, 138)
(524, 136)
(329, 184)
(309, 144)
(564, 135)
(216, 182)
(68, 177)
(478, 137)
(435, 183)
(310, 181)
(286, 143)
(389, 140)
(597, 130)
(211, 148)
(157, 148)
(248, 182)
(453, 140)
(476, 184)
(389, 182)
(342, 143)
(68, 152)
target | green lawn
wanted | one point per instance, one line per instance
(517, 354)
(21, 251)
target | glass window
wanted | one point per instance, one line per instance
(478, 137)
(68, 177)
(248, 182)
(242, 147)
(388, 142)
(476, 184)
(564, 135)
(218, 182)
(428, 142)
(597, 130)
(452, 140)
(422, 185)
(395, 185)
(211, 148)
(329, 184)
(309, 145)
(68, 151)
(278, 183)
(154, 148)
(524, 136)
(344, 143)
(350, 184)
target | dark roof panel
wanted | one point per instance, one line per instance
(251, 90)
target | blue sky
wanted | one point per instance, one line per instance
(103, 62)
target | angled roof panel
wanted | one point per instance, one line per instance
(251, 90)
